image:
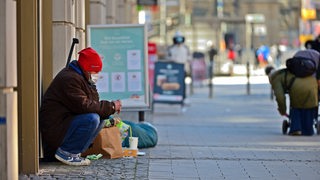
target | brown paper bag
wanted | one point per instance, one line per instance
(108, 143)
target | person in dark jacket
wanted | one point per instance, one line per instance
(303, 94)
(313, 44)
(71, 114)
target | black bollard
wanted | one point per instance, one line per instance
(210, 80)
(141, 116)
(191, 83)
(248, 78)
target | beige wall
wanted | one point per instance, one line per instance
(121, 12)
(3, 127)
(270, 10)
(80, 25)
(113, 12)
(98, 13)
(8, 97)
(68, 22)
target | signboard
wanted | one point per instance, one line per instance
(255, 18)
(308, 10)
(147, 2)
(124, 74)
(2, 120)
(168, 82)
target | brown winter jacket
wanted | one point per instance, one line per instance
(68, 95)
(303, 92)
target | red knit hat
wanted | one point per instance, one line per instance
(89, 60)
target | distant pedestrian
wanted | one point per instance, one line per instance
(180, 53)
(278, 56)
(239, 52)
(263, 54)
(309, 44)
(303, 94)
(231, 57)
(256, 58)
(313, 44)
(212, 53)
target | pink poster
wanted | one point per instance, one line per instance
(152, 58)
(199, 71)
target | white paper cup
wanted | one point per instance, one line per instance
(133, 142)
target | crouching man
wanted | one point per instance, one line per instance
(303, 94)
(71, 114)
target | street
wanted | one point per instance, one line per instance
(231, 136)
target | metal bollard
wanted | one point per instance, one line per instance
(191, 83)
(210, 80)
(141, 116)
(248, 78)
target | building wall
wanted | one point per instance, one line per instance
(8, 96)
(68, 21)
(3, 127)
(80, 24)
(270, 10)
(277, 24)
(98, 12)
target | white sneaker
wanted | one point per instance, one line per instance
(72, 160)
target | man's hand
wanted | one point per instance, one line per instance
(117, 106)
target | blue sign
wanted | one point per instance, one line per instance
(2, 120)
(168, 82)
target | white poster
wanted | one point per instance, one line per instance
(134, 81)
(103, 82)
(118, 82)
(134, 59)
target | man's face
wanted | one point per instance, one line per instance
(93, 77)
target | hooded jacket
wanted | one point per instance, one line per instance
(303, 93)
(68, 95)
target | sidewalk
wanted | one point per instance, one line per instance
(231, 136)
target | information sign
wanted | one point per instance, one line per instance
(168, 83)
(125, 64)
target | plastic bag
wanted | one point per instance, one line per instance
(146, 132)
(124, 128)
(115, 120)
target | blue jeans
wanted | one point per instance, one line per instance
(81, 133)
(303, 120)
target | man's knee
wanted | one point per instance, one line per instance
(93, 120)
